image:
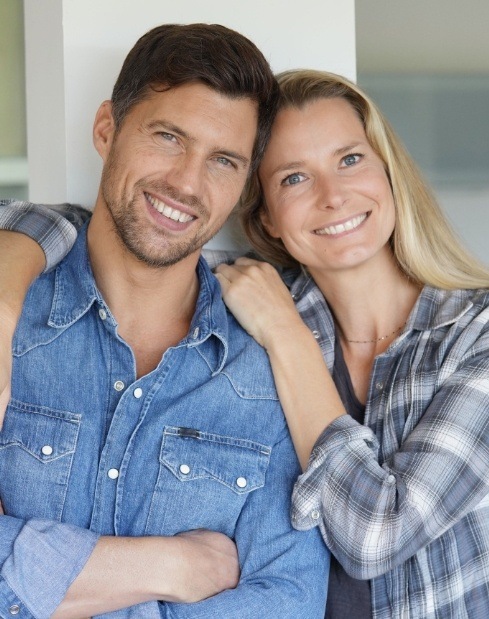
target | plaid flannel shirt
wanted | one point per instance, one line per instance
(49, 226)
(403, 500)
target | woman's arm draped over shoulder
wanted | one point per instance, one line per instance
(258, 298)
(374, 514)
(33, 238)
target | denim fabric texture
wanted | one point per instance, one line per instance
(87, 449)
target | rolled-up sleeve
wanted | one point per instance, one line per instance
(53, 228)
(39, 561)
(375, 514)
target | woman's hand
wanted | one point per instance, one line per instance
(6, 329)
(259, 300)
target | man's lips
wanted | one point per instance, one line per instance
(171, 212)
(345, 226)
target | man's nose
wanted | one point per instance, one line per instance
(187, 174)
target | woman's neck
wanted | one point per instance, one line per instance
(371, 303)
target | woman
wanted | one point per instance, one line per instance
(383, 373)
(390, 412)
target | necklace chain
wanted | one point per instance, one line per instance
(378, 339)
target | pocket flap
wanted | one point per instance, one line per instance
(238, 463)
(45, 433)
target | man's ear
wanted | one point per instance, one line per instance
(268, 224)
(104, 129)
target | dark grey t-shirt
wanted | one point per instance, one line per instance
(348, 598)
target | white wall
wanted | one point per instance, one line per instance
(74, 51)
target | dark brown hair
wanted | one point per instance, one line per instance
(172, 54)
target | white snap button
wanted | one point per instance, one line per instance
(138, 392)
(102, 313)
(14, 609)
(195, 334)
(379, 385)
(184, 469)
(113, 473)
(391, 479)
(47, 450)
(118, 385)
(241, 482)
(315, 515)
(316, 334)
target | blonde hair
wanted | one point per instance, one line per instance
(423, 243)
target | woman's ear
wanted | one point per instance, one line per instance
(104, 129)
(267, 223)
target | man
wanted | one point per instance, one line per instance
(140, 411)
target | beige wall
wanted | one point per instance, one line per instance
(12, 93)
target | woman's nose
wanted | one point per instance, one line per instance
(333, 192)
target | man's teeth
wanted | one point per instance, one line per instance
(171, 213)
(347, 225)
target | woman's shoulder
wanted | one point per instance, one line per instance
(437, 307)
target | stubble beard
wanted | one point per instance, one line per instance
(152, 246)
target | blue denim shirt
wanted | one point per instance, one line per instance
(200, 442)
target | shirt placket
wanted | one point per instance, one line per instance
(124, 403)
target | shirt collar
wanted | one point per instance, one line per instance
(76, 291)
(434, 307)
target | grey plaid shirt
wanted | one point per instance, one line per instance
(403, 500)
(54, 233)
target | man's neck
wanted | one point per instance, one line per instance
(152, 306)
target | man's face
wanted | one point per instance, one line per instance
(175, 169)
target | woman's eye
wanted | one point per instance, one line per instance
(293, 179)
(350, 160)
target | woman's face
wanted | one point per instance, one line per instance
(327, 192)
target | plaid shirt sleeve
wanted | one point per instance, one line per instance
(53, 227)
(374, 515)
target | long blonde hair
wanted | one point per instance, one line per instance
(423, 243)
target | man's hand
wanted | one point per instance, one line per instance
(123, 572)
(208, 564)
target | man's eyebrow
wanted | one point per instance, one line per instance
(169, 126)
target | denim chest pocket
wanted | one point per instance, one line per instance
(37, 445)
(209, 477)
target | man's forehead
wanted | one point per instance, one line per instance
(195, 109)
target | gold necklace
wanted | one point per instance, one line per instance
(378, 339)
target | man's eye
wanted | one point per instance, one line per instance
(224, 161)
(293, 179)
(167, 136)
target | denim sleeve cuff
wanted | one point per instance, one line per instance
(47, 557)
(49, 229)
